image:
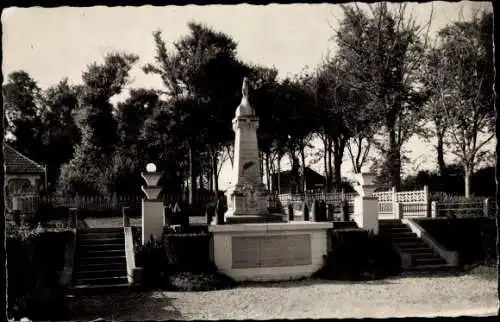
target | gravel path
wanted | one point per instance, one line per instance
(449, 295)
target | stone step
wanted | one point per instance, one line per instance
(101, 241)
(399, 234)
(82, 274)
(118, 288)
(102, 260)
(406, 240)
(100, 236)
(425, 255)
(102, 280)
(100, 230)
(120, 265)
(389, 229)
(417, 250)
(101, 253)
(99, 247)
(428, 261)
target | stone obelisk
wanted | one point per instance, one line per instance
(247, 198)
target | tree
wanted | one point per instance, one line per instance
(90, 171)
(204, 75)
(23, 107)
(61, 133)
(466, 85)
(344, 115)
(380, 55)
(130, 154)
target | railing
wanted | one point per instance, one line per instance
(391, 204)
(472, 207)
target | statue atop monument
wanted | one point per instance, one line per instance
(244, 109)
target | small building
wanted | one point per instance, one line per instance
(288, 184)
(23, 176)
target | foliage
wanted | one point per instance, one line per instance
(199, 282)
(34, 259)
(89, 170)
(152, 258)
(202, 77)
(473, 238)
(187, 251)
(357, 254)
(23, 107)
(461, 83)
(380, 54)
(482, 181)
(61, 132)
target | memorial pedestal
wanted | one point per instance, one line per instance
(269, 251)
(366, 213)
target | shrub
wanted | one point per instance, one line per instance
(473, 238)
(187, 251)
(152, 258)
(34, 258)
(203, 281)
(357, 254)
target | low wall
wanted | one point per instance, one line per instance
(269, 252)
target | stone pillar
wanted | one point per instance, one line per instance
(365, 205)
(152, 208)
(434, 213)
(365, 213)
(486, 207)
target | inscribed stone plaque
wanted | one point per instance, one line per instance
(245, 252)
(271, 251)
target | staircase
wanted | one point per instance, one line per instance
(423, 257)
(100, 259)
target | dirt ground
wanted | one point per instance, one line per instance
(450, 294)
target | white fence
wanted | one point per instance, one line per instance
(30, 203)
(391, 204)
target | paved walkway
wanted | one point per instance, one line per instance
(450, 295)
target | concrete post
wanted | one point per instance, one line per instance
(486, 207)
(365, 205)
(72, 220)
(152, 207)
(434, 212)
(395, 209)
(126, 218)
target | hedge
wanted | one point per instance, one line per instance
(34, 258)
(473, 238)
(357, 254)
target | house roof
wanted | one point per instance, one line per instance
(313, 177)
(16, 162)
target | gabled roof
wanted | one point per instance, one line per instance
(16, 162)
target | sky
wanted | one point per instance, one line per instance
(53, 43)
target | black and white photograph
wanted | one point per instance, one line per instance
(244, 161)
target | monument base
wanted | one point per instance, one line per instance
(269, 251)
(230, 218)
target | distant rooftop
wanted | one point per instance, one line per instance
(16, 162)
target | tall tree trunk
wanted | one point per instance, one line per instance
(325, 163)
(467, 176)
(297, 188)
(394, 157)
(278, 175)
(215, 175)
(339, 147)
(304, 174)
(192, 177)
(268, 170)
(440, 155)
(330, 166)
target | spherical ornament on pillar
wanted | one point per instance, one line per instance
(151, 167)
